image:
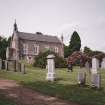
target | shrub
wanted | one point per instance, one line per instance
(41, 60)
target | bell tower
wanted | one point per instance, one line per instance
(15, 27)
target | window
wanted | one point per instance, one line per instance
(56, 49)
(36, 49)
(25, 48)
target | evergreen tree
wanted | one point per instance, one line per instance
(4, 43)
(75, 43)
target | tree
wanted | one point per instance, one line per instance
(4, 43)
(88, 51)
(75, 42)
(66, 51)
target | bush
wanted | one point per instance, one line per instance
(41, 60)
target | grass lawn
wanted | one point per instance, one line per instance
(65, 87)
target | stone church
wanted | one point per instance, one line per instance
(28, 45)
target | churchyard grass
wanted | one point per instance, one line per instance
(65, 87)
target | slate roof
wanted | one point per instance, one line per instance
(38, 37)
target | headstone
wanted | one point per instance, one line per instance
(96, 80)
(0, 64)
(23, 68)
(103, 64)
(50, 67)
(6, 64)
(81, 78)
(87, 66)
(95, 65)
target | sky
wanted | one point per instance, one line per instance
(57, 17)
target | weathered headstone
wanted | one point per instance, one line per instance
(50, 67)
(23, 68)
(95, 65)
(0, 64)
(96, 80)
(6, 64)
(87, 66)
(103, 64)
(81, 78)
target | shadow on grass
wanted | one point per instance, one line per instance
(73, 93)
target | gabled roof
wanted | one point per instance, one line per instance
(38, 37)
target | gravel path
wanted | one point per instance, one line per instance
(25, 96)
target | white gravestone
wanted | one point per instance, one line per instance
(103, 64)
(50, 67)
(96, 80)
(95, 65)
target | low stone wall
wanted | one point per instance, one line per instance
(12, 65)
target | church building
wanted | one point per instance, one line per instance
(28, 45)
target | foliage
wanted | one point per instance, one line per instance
(41, 60)
(87, 51)
(75, 42)
(66, 51)
(4, 43)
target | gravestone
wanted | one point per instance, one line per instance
(6, 64)
(95, 65)
(23, 68)
(0, 64)
(81, 78)
(103, 64)
(87, 66)
(50, 67)
(96, 80)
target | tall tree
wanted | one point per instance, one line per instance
(75, 42)
(4, 43)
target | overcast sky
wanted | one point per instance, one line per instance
(56, 17)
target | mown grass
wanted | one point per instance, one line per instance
(65, 87)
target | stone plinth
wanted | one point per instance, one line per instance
(51, 68)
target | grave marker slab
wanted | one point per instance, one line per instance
(103, 64)
(96, 80)
(95, 65)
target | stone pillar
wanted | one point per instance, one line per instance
(0, 64)
(96, 80)
(103, 64)
(95, 65)
(50, 67)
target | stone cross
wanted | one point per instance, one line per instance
(50, 67)
(95, 65)
(103, 64)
